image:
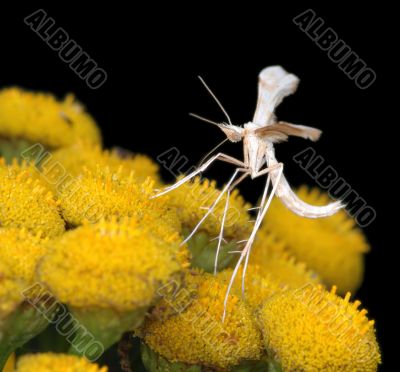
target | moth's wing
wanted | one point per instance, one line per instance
(273, 133)
(303, 131)
(289, 129)
(274, 83)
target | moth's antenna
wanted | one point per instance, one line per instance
(204, 119)
(210, 152)
(216, 99)
(217, 146)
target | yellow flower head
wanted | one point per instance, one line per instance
(331, 246)
(111, 264)
(103, 194)
(25, 202)
(271, 270)
(192, 199)
(10, 292)
(73, 160)
(311, 329)
(259, 285)
(20, 251)
(10, 364)
(40, 117)
(270, 255)
(186, 327)
(49, 362)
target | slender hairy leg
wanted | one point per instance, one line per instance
(249, 243)
(221, 232)
(264, 196)
(210, 210)
(260, 217)
(220, 156)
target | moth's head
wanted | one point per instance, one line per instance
(232, 132)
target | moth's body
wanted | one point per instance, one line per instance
(259, 137)
(254, 148)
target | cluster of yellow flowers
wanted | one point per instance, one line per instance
(48, 362)
(89, 238)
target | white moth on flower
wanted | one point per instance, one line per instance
(259, 137)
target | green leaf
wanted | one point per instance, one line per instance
(98, 329)
(154, 362)
(22, 325)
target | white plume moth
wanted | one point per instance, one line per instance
(259, 137)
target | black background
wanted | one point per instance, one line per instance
(152, 56)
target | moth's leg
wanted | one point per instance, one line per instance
(210, 210)
(261, 173)
(220, 156)
(221, 232)
(261, 214)
(246, 250)
(264, 196)
(268, 169)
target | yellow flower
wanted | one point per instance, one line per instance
(49, 362)
(111, 264)
(20, 251)
(10, 365)
(191, 201)
(26, 203)
(311, 329)
(73, 160)
(271, 269)
(259, 285)
(10, 293)
(20, 321)
(104, 193)
(270, 255)
(40, 117)
(334, 247)
(192, 198)
(186, 326)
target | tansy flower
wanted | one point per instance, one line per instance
(103, 194)
(73, 160)
(131, 257)
(20, 251)
(311, 329)
(10, 293)
(186, 326)
(10, 365)
(271, 270)
(49, 362)
(108, 273)
(270, 255)
(41, 118)
(26, 203)
(334, 247)
(19, 320)
(191, 200)
(259, 285)
(24, 169)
